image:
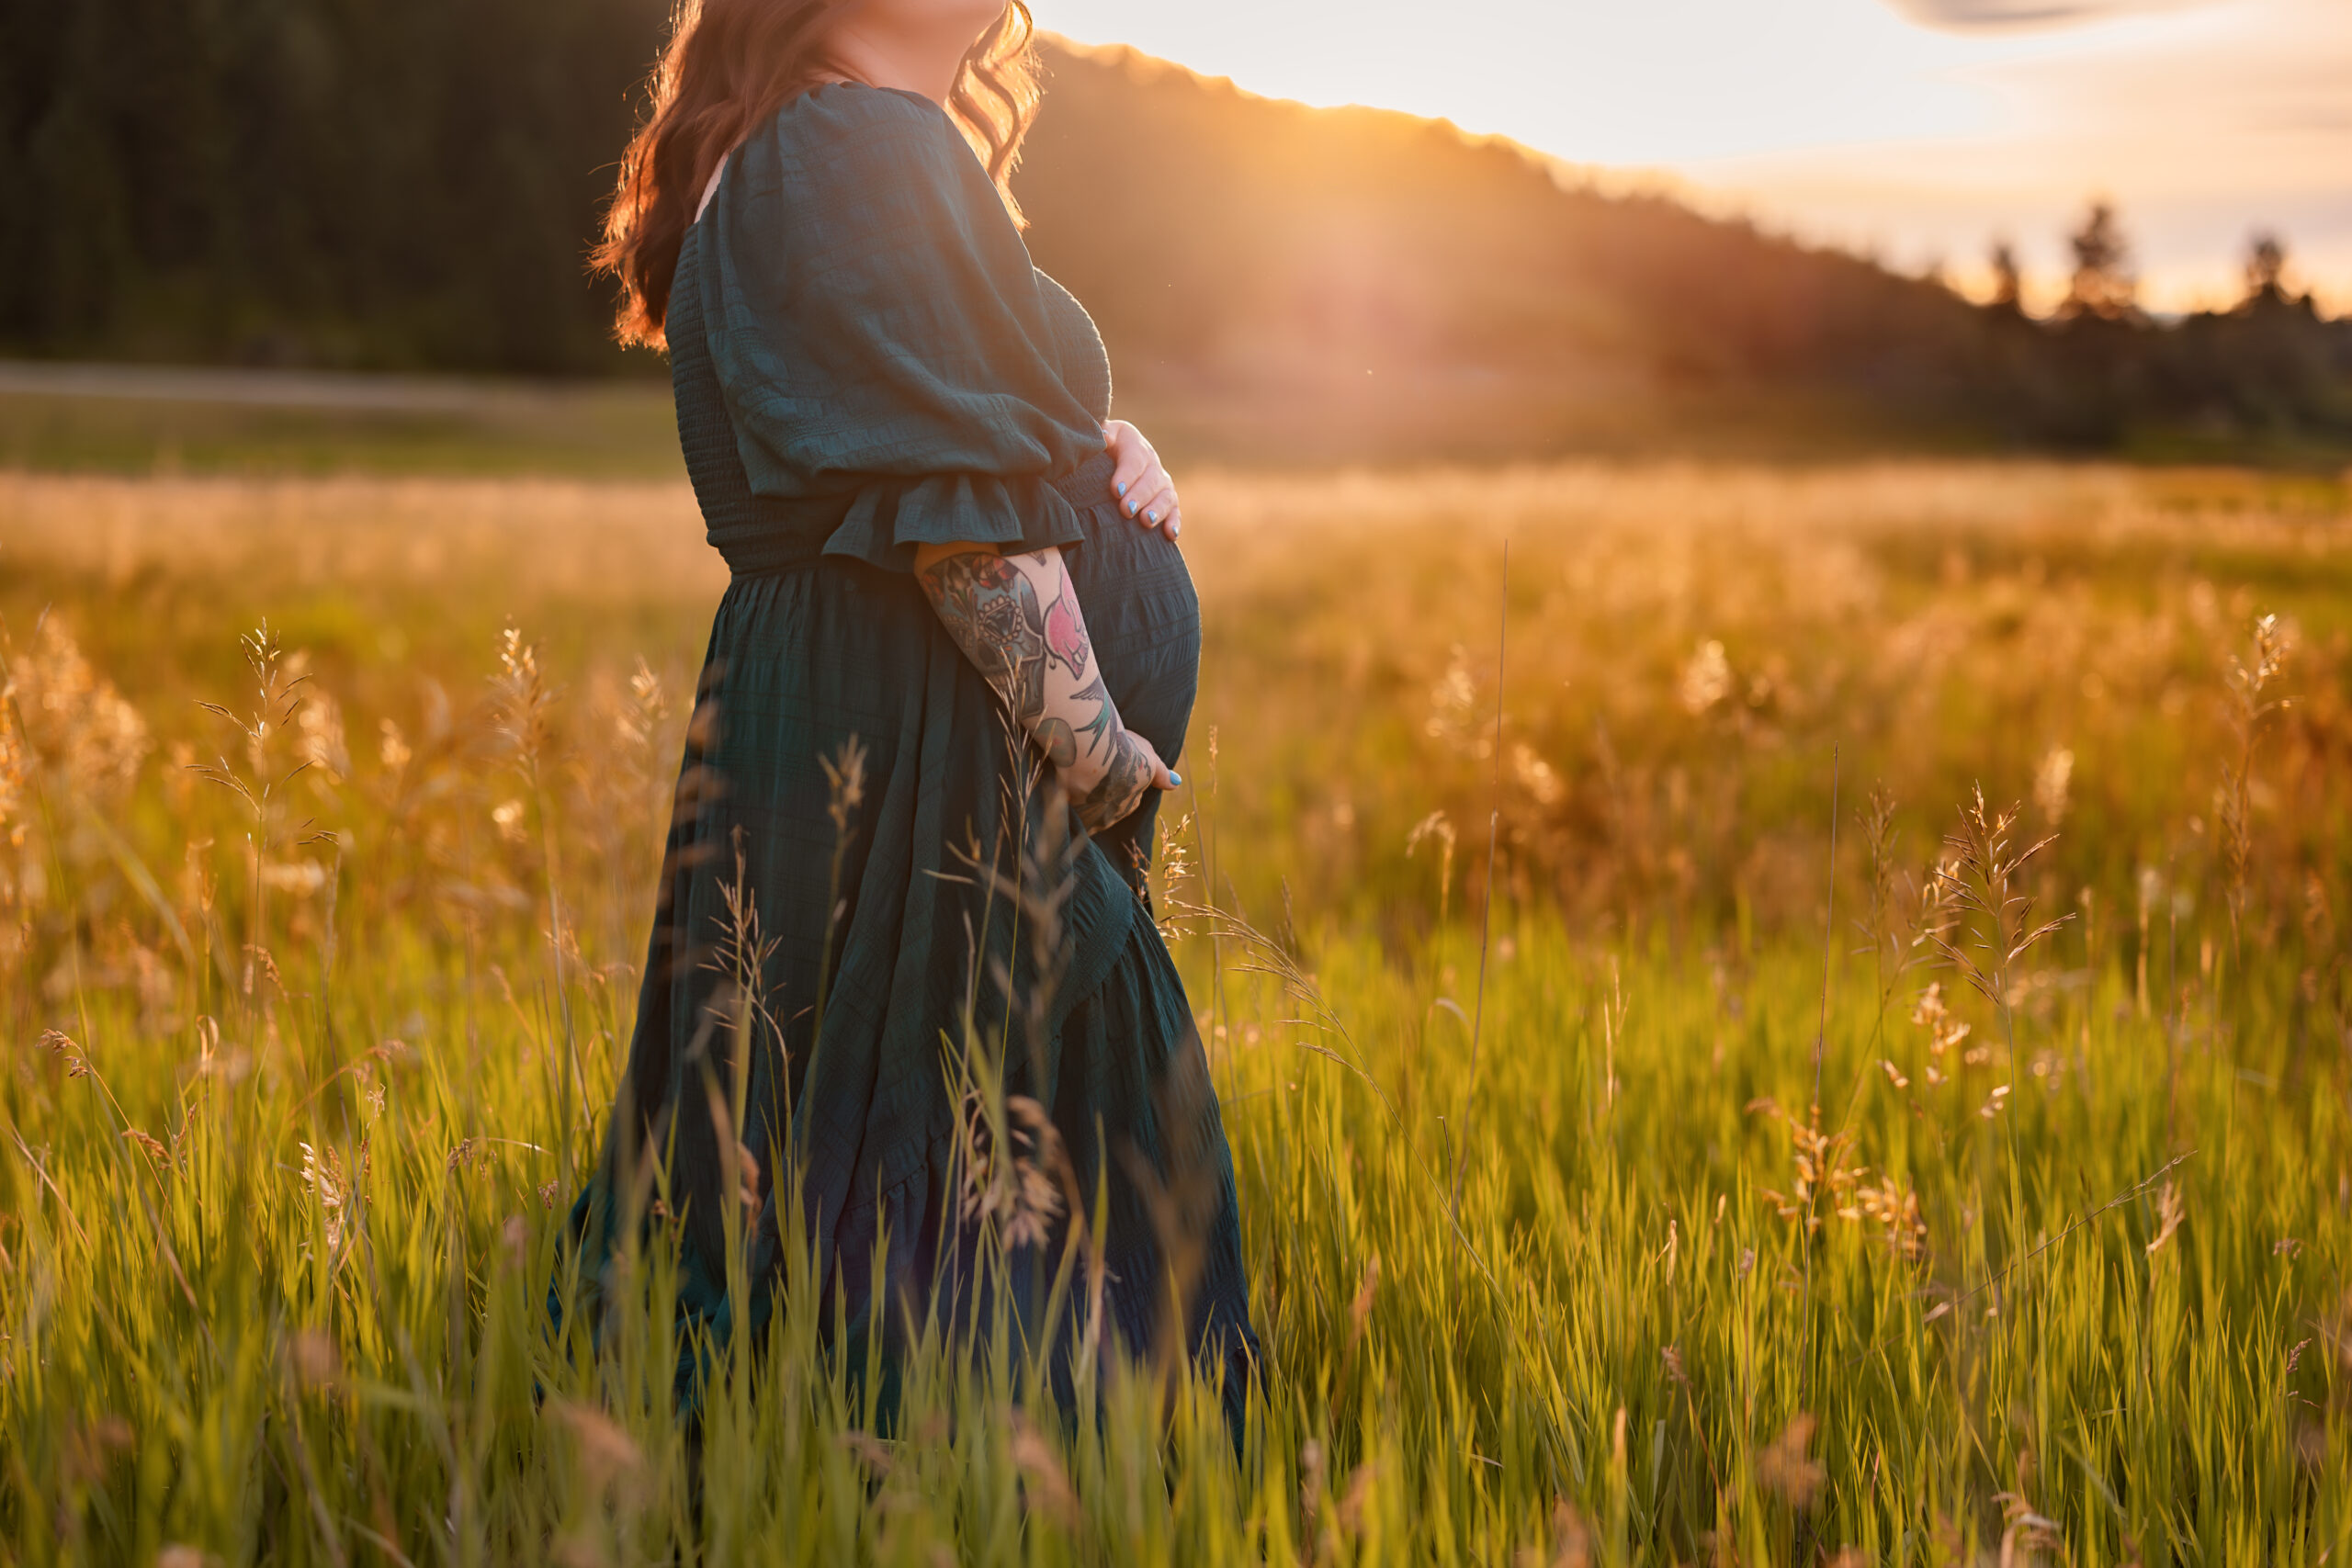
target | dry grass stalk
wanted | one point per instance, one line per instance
(2170, 1212)
(1011, 1174)
(335, 1192)
(1045, 1484)
(315, 1361)
(1823, 1179)
(1572, 1541)
(70, 719)
(2249, 704)
(610, 1458)
(1172, 876)
(1357, 1496)
(2054, 778)
(1437, 828)
(1821, 1170)
(1785, 1469)
(1359, 1315)
(2024, 1533)
(153, 1147)
(1311, 1480)
(15, 768)
(876, 1455)
(61, 1044)
(1882, 919)
(1983, 881)
(1946, 1032)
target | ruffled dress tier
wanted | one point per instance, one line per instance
(866, 360)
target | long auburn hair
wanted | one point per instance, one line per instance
(729, 67)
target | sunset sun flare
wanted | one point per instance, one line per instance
(1917, 129)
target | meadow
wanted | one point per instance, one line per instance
(1671, 1127)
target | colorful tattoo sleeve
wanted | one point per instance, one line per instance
(1017, 618)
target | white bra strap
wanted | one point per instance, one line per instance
(711, 189)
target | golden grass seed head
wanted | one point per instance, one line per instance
(1706, 679)
(312, 1356)
(75, 719)
(1784, 1468)
(2053, 778)
(2171, 1211)
(1044, 1480)
(611, 1459)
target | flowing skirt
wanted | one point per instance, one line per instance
(868, 905)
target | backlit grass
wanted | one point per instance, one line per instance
(1651, 1227)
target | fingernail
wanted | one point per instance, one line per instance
(1175, 779)
(1123, 489)
(1151, 516)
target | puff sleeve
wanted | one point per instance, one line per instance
(880, 334)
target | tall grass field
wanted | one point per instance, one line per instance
(1801, 1018)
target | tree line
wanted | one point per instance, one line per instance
(2269, 365)
(369, 183)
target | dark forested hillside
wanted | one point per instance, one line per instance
(365, 184)
(1432, 288)
(1348, 282)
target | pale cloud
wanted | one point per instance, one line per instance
(1968, 16)
(2204, 125)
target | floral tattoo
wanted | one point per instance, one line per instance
(1017, 618)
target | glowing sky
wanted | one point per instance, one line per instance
(1917, 127)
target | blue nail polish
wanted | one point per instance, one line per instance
(1151, 516)
(1176, 779)
(1123, 489)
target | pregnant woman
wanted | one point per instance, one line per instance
(917, 801)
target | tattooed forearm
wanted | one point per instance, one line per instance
(1017, 618)
(1056, 739)
(989, 605)
(1065, 630)
(1121, 788)
(1095, 731)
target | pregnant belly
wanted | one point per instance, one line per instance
(1145, 620)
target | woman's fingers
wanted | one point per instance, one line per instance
(1152, 500)
(1145, 491)
(1133, 473)
(1162, 775)
(1132, 456)
(1141, 491)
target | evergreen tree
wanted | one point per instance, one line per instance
(2103, 285)
(2007, 281)
(2266, 269)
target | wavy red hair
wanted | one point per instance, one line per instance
(729, 67)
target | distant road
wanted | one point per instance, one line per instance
(360, 392)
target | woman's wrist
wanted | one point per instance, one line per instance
(1108, 783)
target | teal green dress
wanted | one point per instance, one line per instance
(866, 360)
